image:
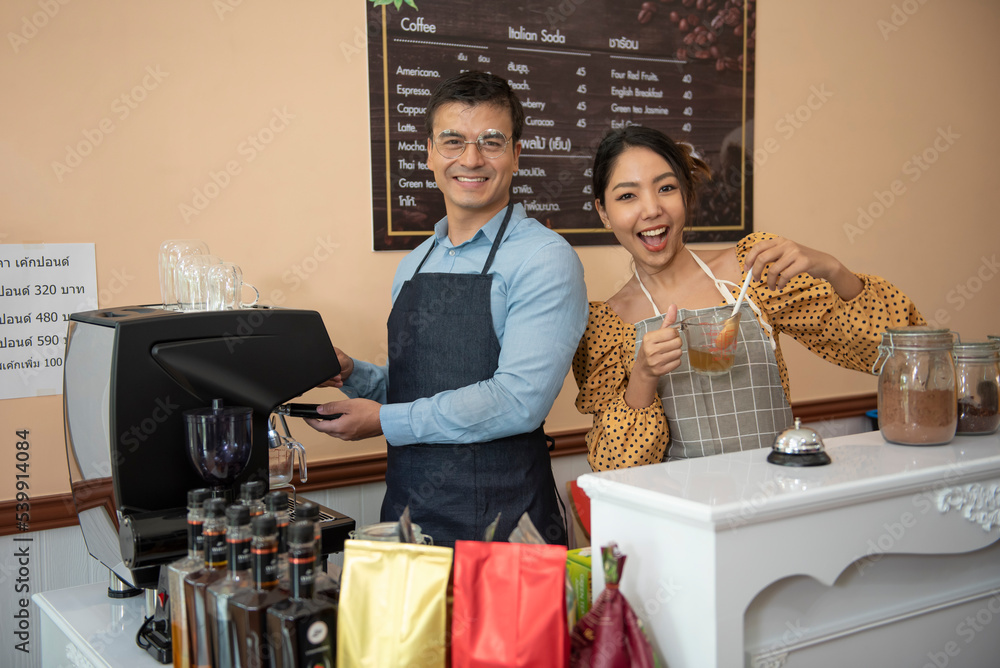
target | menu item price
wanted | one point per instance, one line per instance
(578, 74)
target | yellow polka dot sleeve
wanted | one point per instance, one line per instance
(846, 333)
(621, 436)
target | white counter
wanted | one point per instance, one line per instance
(82, 627)
(889, 556)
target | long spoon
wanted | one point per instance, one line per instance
(743, 292)
(727, 335)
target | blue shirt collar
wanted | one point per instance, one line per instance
(489, 230)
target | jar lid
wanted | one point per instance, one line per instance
(982, 350)
(385, 531)
(917, 336)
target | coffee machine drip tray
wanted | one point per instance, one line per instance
(334, 527)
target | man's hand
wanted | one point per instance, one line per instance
(359, 419)
(346, 369)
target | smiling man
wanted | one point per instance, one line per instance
(486, 316)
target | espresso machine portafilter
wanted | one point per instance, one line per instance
(129, 375)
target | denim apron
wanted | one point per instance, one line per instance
(445, 325)
(742, 410)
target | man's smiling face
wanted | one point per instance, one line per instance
(475, 187)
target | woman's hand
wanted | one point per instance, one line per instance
(659, 354)
(788, 259)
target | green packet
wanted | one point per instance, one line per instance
(578, 563)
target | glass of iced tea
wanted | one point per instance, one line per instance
(711, 342)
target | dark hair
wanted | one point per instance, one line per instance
(689, 169)
(474, 88)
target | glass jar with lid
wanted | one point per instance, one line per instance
(916, 388)
(388, 532)
(977, 384)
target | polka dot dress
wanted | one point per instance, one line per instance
(807, 309)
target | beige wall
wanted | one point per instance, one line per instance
(302, 203)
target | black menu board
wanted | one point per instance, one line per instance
(580, 67)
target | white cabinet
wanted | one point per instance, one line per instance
(888, 556)
(83, 628)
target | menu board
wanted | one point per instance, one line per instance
(580, 68)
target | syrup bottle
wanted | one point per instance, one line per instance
(248, 607)
(175, 577)
(303, 627)
(237, 577)
(252, 496)
(196, 583)
(326, 587)
(276, 505)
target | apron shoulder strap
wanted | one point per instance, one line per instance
(646, 292)
(498, 239)
(720, 284)
(429, 251)
(493, 249)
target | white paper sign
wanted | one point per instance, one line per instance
(40, 286)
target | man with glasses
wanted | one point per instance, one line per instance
(486, 317)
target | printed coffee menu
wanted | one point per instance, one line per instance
(580, 68)
(40, 286)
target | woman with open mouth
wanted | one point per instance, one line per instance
(649, 405)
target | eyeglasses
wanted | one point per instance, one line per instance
(491, 143)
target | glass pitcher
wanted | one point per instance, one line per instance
(282, 451)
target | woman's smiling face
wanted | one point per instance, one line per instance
(644, 207)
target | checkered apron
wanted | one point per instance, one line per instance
(741, 410)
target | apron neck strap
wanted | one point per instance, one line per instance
(498, 239)
(720, 285)
(493, 249)
(646, 292)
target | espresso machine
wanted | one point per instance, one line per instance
(130, 374)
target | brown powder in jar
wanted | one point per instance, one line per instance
(918, 417)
